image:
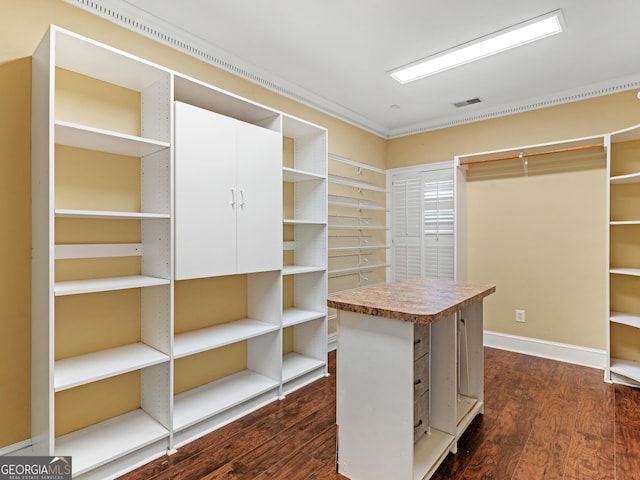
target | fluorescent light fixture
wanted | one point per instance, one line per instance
(520, 34)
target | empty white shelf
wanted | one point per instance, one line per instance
(294, 316)
(295, 175)
(291, 221)
(104, 214)
(74, 287)
(357, 203)
(197, 404)
(630, 319)
(350, 182)
(105, 441)
(83, 369)
(626, 271)
(373, 246)
(91, 138)
(430, 451)
(197, 341)
(361, 268)
(295, 365)
(295, 269)
(630, 178)
(625, 222)
(627, 368)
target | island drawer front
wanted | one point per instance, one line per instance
(420, 340)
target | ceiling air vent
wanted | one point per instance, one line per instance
(464, 103)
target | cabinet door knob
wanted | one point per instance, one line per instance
(233, 197)
(242, 197)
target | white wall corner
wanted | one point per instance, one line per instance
(588, 357)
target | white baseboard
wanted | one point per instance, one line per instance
(589, 357)
(20, 449)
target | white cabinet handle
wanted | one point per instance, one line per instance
(233, 197)
(242, 197)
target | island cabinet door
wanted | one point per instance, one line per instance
(259, 211)
(205, 193)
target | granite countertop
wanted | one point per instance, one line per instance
(419, 300)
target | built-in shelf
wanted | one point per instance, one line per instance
(83, 369)
(359, 248)
(194, 405)
(103, 214)
(74, 287)
(109, 440)
(360, 268)
(204, 339)
(295, 365)
(630, 319)
(429, 451)
(350, 182)
(296, 269)
(293, 175)
(356, 203)
(627, 368)
(82, 136)
(290, 221)
(625, 222)
(358, 227)
(635, 272)
(295, 316)
(630, 178)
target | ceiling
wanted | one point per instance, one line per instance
(334, 54)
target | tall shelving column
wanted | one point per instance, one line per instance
(227, 325)
(304, 271)
(102, 258)
(624, 256)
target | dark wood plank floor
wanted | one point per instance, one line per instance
(543, 420)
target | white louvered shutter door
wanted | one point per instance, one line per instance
(407, 208)
(438, 224)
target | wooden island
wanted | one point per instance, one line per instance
(409, 375)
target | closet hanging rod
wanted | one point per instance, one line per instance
(532, 154)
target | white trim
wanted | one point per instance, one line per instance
(331, 341)
(588, 357)
(134, 19)
(20, 449)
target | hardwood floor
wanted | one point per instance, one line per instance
(543, 420)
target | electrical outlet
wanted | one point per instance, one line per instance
(520, 316)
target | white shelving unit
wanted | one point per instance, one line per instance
(358, 226)
(624, 261)
(110, 208)
(304, 317)
(75, 270)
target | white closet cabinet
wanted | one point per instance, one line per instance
(228, 195)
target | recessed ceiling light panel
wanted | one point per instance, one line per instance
(515, 36)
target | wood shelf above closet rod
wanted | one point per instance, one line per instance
(532, 154)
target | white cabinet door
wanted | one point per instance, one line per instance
(259, 199)
(205, 186)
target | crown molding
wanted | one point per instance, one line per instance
(132, 18)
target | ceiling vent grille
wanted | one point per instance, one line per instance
(464, 103)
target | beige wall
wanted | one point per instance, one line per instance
(23, 23)
(540, 239)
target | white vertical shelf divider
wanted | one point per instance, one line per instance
(305, 320)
